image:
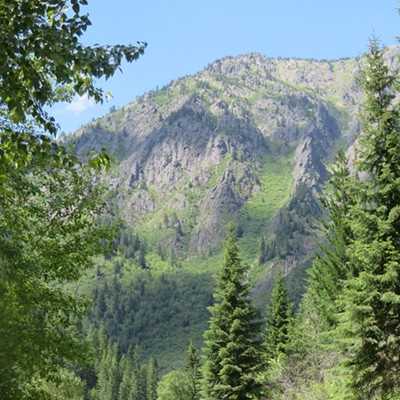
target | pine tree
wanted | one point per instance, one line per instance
(330, 269)
(126, 378)
(192, 369)
(108, 373)
(151, 380)
(232, 354)
(371, 301)
(138, 388)
(132, 384)
(279, 317)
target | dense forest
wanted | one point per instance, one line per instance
(82, 310)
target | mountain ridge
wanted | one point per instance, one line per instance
(249, 140)
(238, 106)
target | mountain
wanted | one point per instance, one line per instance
(249, 139)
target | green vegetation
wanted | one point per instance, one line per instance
(345, 342)
(340, 112)
(155, 309)
(49, 206)
(261, 93)
(232, 354)
(47, 74)
(115, 376)
(119, 115)
(49, 200)
(276, 183)
(371, 299)
(149, 296)
(192, 369)
(279, 317)
(174, 386)
(162, 97)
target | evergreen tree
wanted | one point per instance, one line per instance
(330, 269)
(108, 373)
(312, 348)
(138, 387)
(232, 354)
(142, 257)
(151, 380)
(279, 317)
(371, 301)
(192, 369)
(126, 378)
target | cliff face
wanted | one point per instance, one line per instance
(247, 139)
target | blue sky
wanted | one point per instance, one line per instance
(184, 36)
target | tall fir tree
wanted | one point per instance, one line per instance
(192, 369)
(330, 269)
(126, 378)
(233, 353)
(371, 301)
(108, 373)
(138, 386)
(279, 316)
(151, 380)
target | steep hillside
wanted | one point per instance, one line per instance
(248, 139)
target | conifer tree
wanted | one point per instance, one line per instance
(151, 380)
(330, 269)
(126, 378)
(108, 373)
(138, 388)
(232, 354)
(371, 301)
(192, 369)
(263, 251)
(279, 317)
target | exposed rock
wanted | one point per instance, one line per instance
(198, 146)
(314, 149)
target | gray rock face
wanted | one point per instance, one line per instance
(199, 147)
(314, 149)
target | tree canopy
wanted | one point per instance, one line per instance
(49, 199)
(42, 60)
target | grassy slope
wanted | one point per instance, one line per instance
(255, 216)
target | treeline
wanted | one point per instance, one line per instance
(113, 375)
(109, 375)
